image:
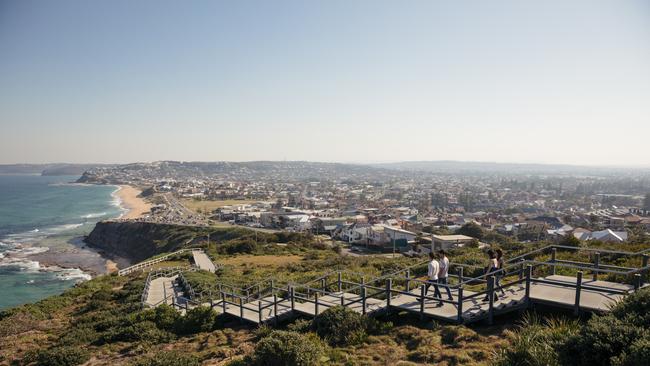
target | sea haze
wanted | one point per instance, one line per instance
(41, 220)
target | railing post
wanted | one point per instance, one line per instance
(422, 290)
(316, 304)
(223, 302)
(363, 298)
(259, 311)
(460, 305)
(291, 298)
(272, 287)
(342, 300)
(529, 274)
(460, 275)
(322, 284)
(275, 308)
(241, 310)
(553, 259)
(644, 272)
(576, 307)
(596, 265)
(491, 298)
(637, 282)
(389, 290)
(339, 280)
(408, 280)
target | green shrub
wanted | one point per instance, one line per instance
(164, 316)
(300, 326)
(635, 308)
(78, 335)
(171, 358)
(62, 356)
(600, 341)
(340, 326)
(282, 348)
(263, 331)
(378, 327)
(146, 331)
(637, 355)
(536, 342)
(197, 320)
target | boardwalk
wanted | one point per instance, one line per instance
(203, 261)
(473, 299)
(474, 307)
(162, 290)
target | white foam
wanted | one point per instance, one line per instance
(32, 250)
(63, 274)
(23, 264)
(69, 274)
(93, 215)
(41, 233)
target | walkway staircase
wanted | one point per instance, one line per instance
(527, 281)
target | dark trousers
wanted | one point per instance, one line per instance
(436, 290)
(443, 281)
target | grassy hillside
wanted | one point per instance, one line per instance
(101, 322)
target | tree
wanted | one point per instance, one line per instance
(570, 241)
(471, 229)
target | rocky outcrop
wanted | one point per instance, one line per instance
(137, 241)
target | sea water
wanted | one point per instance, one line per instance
(39, 215)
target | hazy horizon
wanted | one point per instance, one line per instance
(370, 163)
(339, 81)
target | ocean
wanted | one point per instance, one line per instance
(42, 221)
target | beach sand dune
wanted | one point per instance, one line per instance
(135, 205)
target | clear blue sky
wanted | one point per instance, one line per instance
(352, 81)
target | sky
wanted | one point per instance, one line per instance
(120, 81)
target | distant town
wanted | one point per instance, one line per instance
(396, 208)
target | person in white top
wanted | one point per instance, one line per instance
(444, 272)
(432, 273)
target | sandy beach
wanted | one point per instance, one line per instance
(135, 205)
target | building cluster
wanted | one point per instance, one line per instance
(383, 208)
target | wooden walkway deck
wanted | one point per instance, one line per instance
(162, 290)
(399, 291)
(203, 261)
(474, 308)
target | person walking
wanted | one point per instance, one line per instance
(432, 273)
(489, 269)
(501, 273)
(444, 272)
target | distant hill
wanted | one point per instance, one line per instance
(47, 169)
(448, 166)
(280, 170)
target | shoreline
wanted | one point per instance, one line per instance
(129, 200)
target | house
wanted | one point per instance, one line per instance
(606, 235)
(383, 235)
(610, 236)
(356, 233)
(450, 241)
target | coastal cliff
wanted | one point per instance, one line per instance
(137, 241)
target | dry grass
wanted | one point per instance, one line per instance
(166, 264)
(209, 206)
(261, 260)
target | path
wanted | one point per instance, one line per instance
(162, 290)
(267, 302)
(203, 261)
